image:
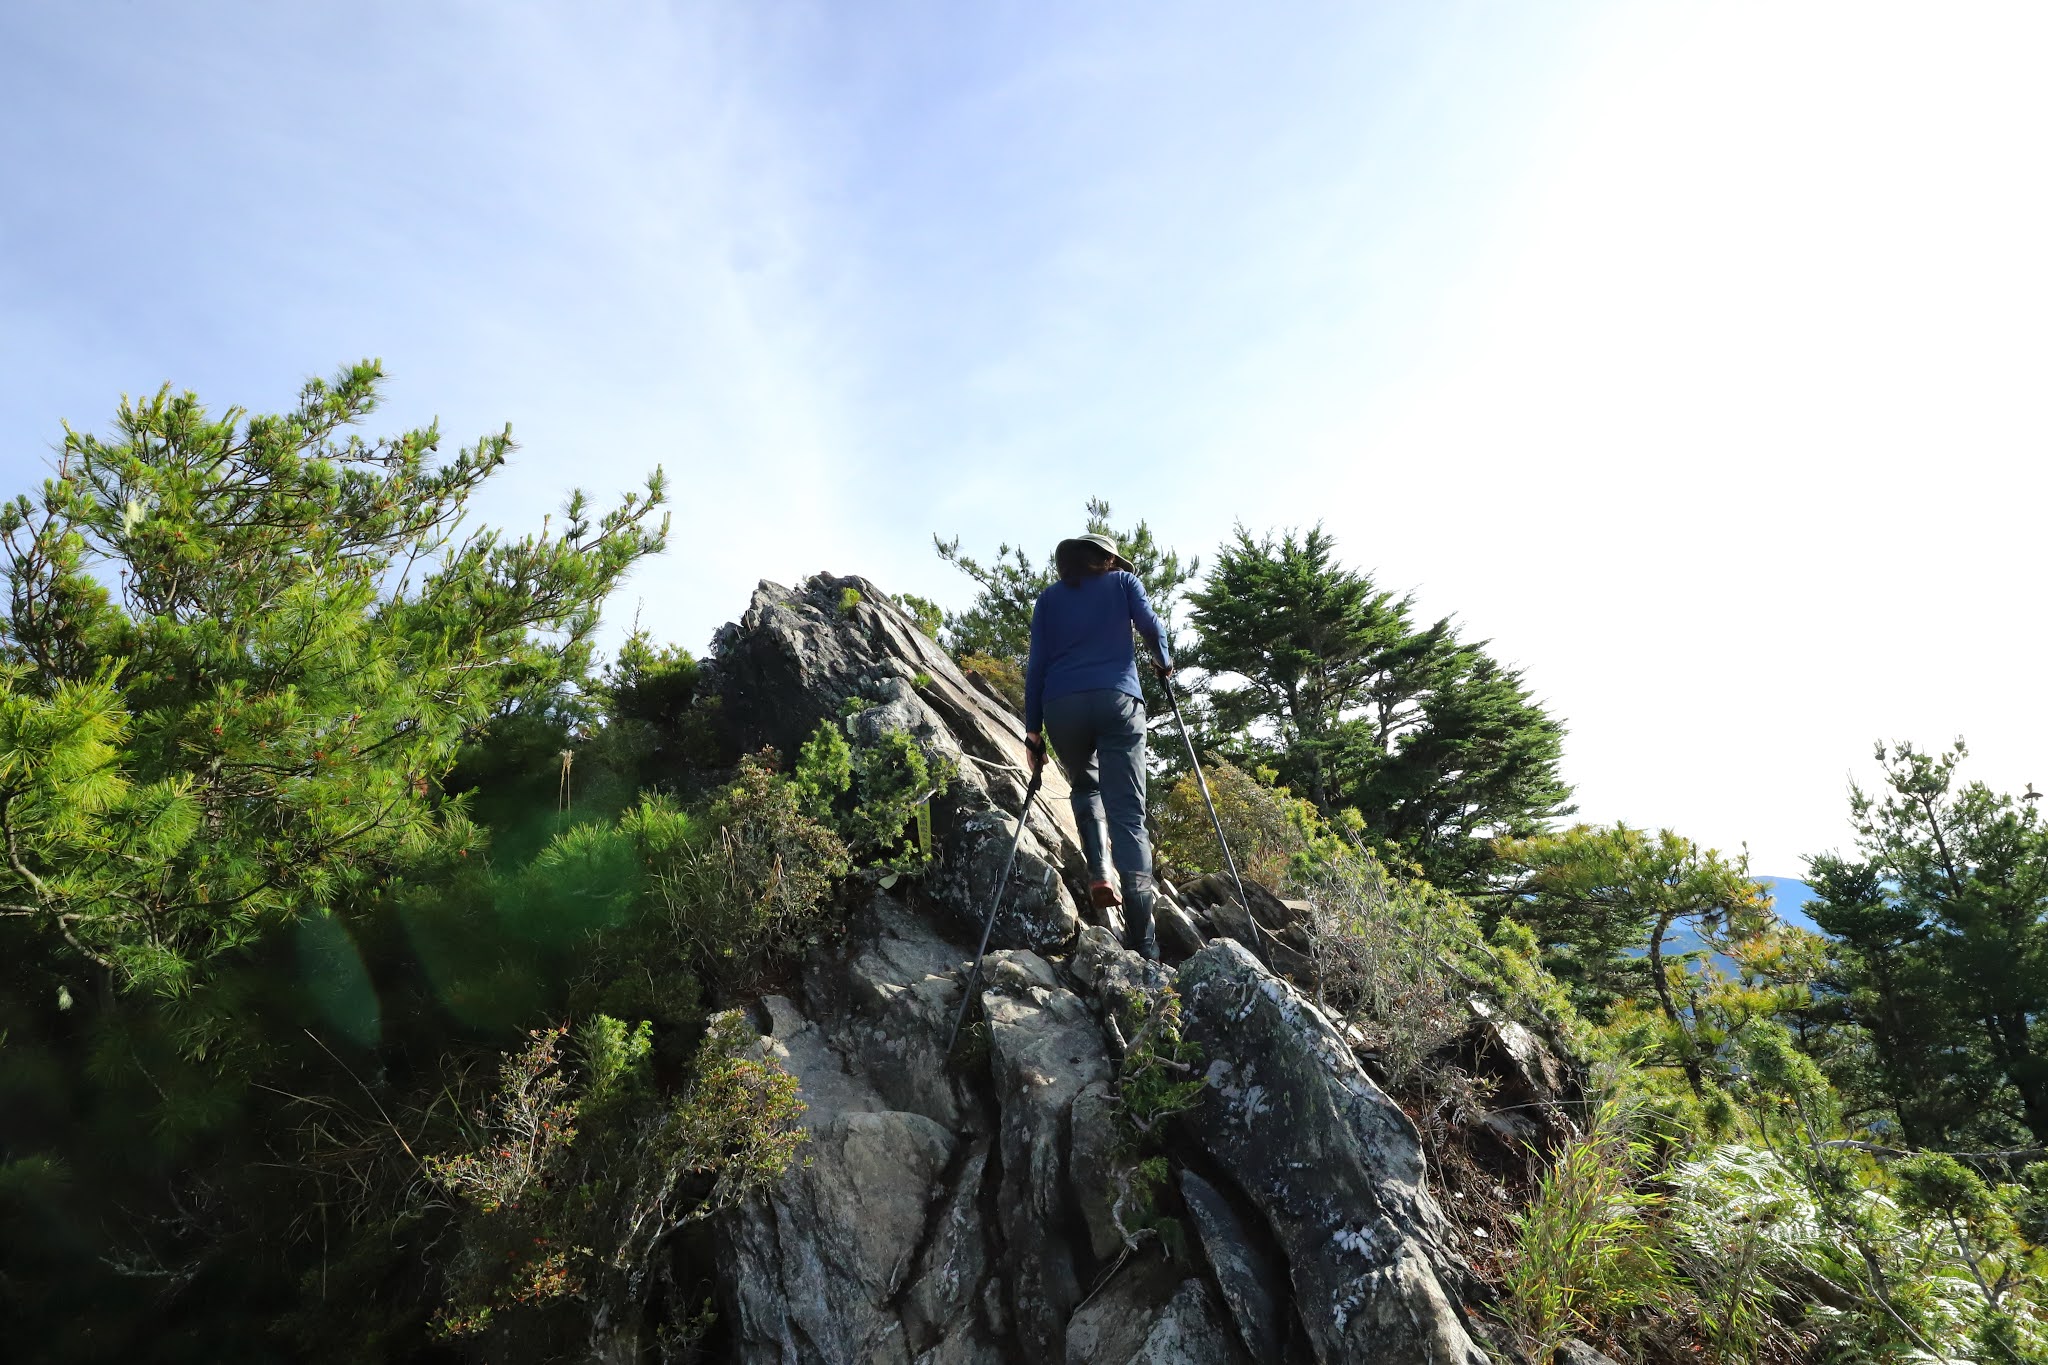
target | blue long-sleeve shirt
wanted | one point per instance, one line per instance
(1081, 639)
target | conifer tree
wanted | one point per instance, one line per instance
(1942, 924)
(241, 652)
(1604, 903)
(998, 622)
(1331, 680)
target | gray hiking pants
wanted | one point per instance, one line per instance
(1099, 738)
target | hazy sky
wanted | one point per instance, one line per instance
(1692, 354)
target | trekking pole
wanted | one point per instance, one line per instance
(995, 904)
(1194, 760)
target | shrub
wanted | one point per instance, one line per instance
(524, 1132)
(1006, 676)
(875, 796)
(1382, 949)
(1158, 1080)
(571, 1186)
(1272, 832)
(1751, 1246)
(757, 886)
(925, 613)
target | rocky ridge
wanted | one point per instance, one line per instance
(967, 1216)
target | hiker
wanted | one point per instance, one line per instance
(1081, 688)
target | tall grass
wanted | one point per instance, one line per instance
(1586, 1247)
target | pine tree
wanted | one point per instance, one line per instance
(997, 624)
(1331, 680)
(1942, 926)
(241, 653)
(1604, 903)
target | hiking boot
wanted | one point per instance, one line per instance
(1102, 895)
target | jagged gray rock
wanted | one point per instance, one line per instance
(1332, 1164)
(796, 657)
(1045, 1048)
(1148, 1314)
(1529, 1081)
(950, 1274)
(959, 1212)
(1250, 1283)
(826, 1255)
(1180, 937)
(892, 999)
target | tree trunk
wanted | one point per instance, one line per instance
(1686, 1059)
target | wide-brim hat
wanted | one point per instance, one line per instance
(1099, 542)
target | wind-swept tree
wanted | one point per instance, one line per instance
(1605, 903)
(1331, 680)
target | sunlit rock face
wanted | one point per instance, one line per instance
(962, 1213)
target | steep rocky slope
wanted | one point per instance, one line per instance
(962, 1215)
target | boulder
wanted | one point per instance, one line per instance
(796, 658)
(1180, 937)
(1188, 1331)
(891, 994)
(1045, 1048)
(1331, 1164)
(1147, 1314)
(816, 1266)
(1531, 1084)
(1269, 928)
(940, 1315)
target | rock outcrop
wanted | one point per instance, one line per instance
(955, 1213)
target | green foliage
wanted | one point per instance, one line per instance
(526, 1131)
(849, 598)
(1399, 959)
(568, 1188)
(251, 724)
(872, 795)
(1942, 925)
(1436, 745)
(614, 1056)
(1586, 1248)
(1272, 832)
(757, 886)
(1005, 675)
(1158, 1080)
(656, 726)
(1595, 897)
(928, 615)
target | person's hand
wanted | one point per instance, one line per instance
(1163, 669)
(1035, 743)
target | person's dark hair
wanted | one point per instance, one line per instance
(1077, 559)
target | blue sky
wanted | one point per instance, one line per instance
(1690, 353)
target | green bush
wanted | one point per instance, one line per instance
(875, 796)
(1005, 675)
(569, 1185)
(757, 885)
(1158, 1080)
(1272, 832)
